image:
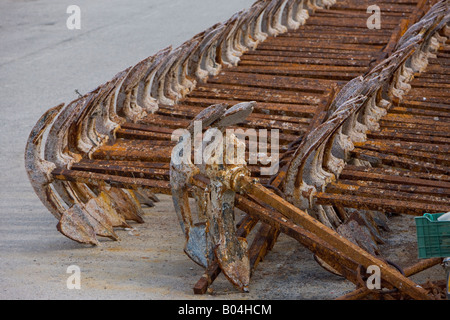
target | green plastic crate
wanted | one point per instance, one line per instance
(433, 236)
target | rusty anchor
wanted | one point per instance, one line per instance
(213, 236)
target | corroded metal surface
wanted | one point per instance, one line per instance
(313, 180)
(356, 110)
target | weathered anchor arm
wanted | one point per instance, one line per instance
(213, 236)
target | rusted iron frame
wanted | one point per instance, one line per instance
(72, 135)
(88, 180)
(423, 265)
(277, 180)
(416, 165)
(329, 253)
(311, 241)
(430, 164)
(403, 53)
(352, 189)
(409, 206)
(128, 96)
(271, 236)
(345, 247)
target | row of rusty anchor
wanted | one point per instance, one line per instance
(357, 109)
(83, 210)
(275, 108)
(155, 84)
(430, 26)
(131, 95)
(216, 238)
(358, 100)
(404, 167)
(85, 203)
(178, 71)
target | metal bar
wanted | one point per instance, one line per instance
(331, 237)
(361, 293)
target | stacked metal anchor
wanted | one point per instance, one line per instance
(93, 120)
(95, 161)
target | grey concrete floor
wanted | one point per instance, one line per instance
(42, 63)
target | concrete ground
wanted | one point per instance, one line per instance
(42, 63)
